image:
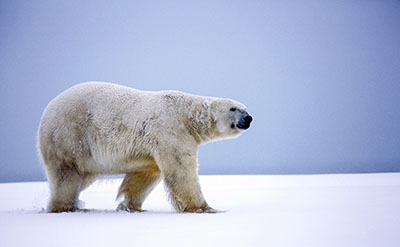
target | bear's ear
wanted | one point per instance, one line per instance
(207, 104)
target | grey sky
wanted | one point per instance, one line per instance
(321, 78)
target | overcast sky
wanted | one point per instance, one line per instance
(321, 78)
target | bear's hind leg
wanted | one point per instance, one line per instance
(87, 180)
(65, 184)
(136, 186)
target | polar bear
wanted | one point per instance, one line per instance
(98, 128)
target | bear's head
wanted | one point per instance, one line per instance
(230, 117)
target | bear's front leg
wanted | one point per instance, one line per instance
(182, 182)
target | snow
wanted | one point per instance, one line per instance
(261, 210)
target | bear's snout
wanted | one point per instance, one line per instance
(244, 122)
(248, 119)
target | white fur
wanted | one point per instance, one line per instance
(98, 128)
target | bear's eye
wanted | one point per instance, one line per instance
(233, 109)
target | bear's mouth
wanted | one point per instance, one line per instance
(243, 126)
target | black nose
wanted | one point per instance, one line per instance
(248, 119)
(244, 123)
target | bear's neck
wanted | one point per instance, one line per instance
(201, 124)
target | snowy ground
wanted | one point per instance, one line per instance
(302, 210)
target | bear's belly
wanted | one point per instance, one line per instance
(113, 165)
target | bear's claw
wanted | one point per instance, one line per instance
(202, 210)
(123, 207)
